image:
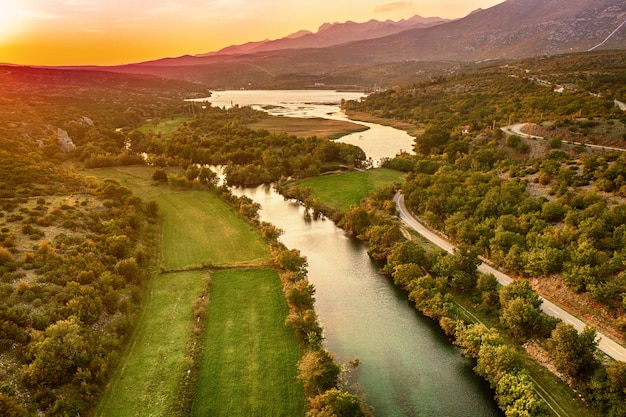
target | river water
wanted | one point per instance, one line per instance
(408, 368)
(377, 142)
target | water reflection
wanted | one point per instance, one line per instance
(408, 367)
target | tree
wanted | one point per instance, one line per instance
(318, 372)
(381, 239)
(519, 289)
(56, 354)
(207, 176)
(159, 176)
(516, 395)
(292, 260)
(460, 268)
(192, 172)
(335, 403)
(488, 289)
(521, 309)
(406, 252)
(300, 295)
(522, 318)
(129, 269)
(574, 353)
(405, 273)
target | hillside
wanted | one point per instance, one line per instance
(375, 54)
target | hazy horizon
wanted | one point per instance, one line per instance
(101, 32)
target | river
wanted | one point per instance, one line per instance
(377, 142)
(408, 367)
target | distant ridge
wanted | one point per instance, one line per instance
(377, 54)
(330, 34)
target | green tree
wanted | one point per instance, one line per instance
(381, 240)
(406, 252)
(56, 354)
(159, 175)
(318, 372)
(335, 403)
(517, 397)
(192, 172)
(522, 318)
(574, 353)
(405, 273)
(207, 176)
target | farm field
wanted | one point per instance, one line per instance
(247, 312)
(198, 228)
(163, 127)
(249, 365)
(347, 189)
(146, 381)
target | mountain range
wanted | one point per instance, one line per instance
(374, 53)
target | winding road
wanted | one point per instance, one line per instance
(516, 129)
(605, 344)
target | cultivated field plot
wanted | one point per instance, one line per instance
(199, 229)
(146, 380)
(249, 366)
(249, 362)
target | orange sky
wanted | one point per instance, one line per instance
(109, 32)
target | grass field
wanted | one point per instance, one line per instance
(199, 228)
(257, 353)
(307, 127)
(144, 383)
(347, 189)
(163, 127)
(250, 355)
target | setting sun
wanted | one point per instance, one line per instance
(109, 32)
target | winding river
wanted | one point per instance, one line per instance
(408, 368)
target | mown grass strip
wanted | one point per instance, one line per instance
(249, 362)
(347, 189)
(145, 383)
(199, 228)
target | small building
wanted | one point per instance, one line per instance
(559, 89)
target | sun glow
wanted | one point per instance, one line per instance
(10, 20)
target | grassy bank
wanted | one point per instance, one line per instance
(347, 189)
(249, 363)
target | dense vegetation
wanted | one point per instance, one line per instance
(549, 212)
(75, 253)
(72, 267)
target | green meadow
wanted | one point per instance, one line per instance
(248, 363)
(199, 229)
(145, 382)
(347, 189)
(163, 127)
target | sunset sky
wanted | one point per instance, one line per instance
(109, 32)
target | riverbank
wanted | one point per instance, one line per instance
(411, 129)
(555, 392)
